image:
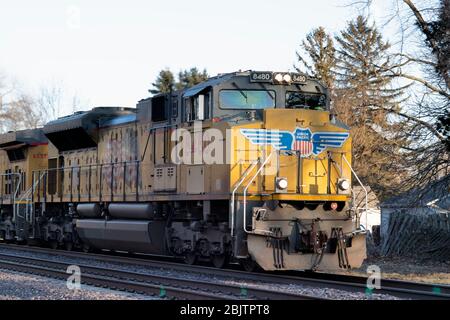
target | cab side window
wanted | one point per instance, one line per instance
(206, 106)
(189, 110)
(198, 107)
(159, 108)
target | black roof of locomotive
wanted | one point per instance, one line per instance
(22, 137)
(224, 77)
(80, 130)
(87, 120)
(192, 91)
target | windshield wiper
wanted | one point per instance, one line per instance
(240, 90)
(264, 87)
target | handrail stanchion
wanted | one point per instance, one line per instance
(362, 186)
(248, 185)
(237, 185)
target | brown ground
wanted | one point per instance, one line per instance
(408, 269)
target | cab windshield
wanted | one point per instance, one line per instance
(247, 99)
(304, 100)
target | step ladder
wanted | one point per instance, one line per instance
(23, 216)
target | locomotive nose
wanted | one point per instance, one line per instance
(290, 119)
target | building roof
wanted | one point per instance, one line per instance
(436, 195)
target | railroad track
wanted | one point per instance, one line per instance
(401, 288)
(397, 288)
(154, 285)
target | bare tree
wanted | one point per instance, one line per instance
(422, 59)
(50, 99)
(22, 110)
(16, 107)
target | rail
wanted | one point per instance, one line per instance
(175, 286)
(398, 288)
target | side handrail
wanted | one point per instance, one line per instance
(31, 189)
(27, 194)
(248, 185)
(16, 191)
(362, 186)
(94, 165)
(237, 185)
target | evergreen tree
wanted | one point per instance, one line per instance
(189, 78)
(317, 56)
(363, 69)
(164, 83)
(364, 95)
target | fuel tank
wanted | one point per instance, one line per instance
(89, 210)
(137, 236)
(143, 211)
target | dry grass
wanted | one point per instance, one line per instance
(408, 269)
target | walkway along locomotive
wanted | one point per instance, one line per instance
(246, 166)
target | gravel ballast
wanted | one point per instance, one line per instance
(21, 286)
(329, 293)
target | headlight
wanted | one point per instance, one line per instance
(287, 78)
(282, 183)
(279, 77)
(344, 184)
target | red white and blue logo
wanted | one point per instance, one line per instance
(301, 140)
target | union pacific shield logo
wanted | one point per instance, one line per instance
(302, 140)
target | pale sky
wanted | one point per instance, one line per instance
(109, 52)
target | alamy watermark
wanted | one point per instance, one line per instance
(374, 279)
(73, 17)
(74, 280)
(213, 146)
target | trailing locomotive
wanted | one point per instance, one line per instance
(246, 166)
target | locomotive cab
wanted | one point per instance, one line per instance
(288, 171)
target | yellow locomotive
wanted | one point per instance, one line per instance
(248, 167)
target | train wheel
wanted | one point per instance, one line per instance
(249, 265)
(190, 258)
(219, 261)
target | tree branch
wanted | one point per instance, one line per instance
(424, 27)
(412, 59)
(430, 127)
(422, 81)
